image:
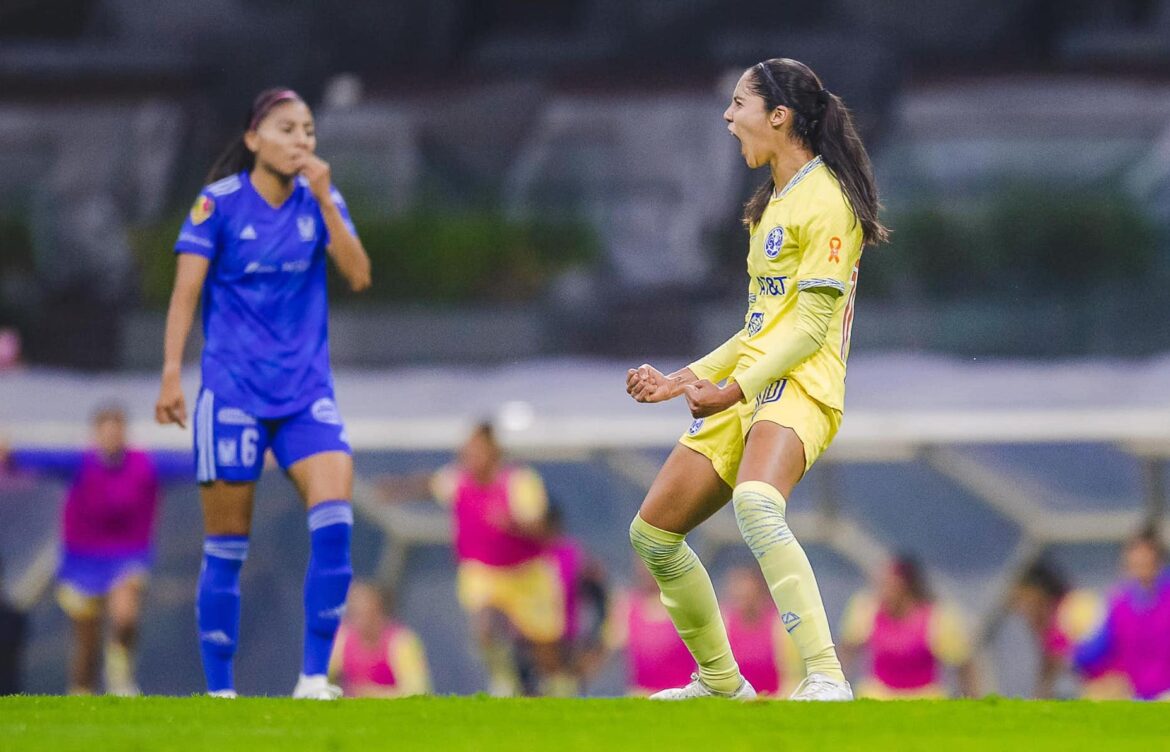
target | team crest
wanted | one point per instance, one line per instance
(695, 427)
(307, 227)
(835, 249)
(202, 210)
(755, 323)
(773, 242)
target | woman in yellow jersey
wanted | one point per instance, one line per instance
(783, 377)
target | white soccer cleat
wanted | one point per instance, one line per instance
(698, 689)
(820, 688)
(316, 687)
(224, 694)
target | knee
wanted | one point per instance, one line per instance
(665, 554)
(759, 512)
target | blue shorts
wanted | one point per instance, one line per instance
(94, 575)
(230, 443)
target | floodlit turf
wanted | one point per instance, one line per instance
(479, 723)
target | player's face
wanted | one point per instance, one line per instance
(284, 138)
(749, 121)
(479, 455)
(891, 587)
(1142, 562)
(110, 435)
(364, 609)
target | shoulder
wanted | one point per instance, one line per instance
(824, 198)
(225, 187)
(216, 198)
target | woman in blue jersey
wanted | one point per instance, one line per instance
(254, 249)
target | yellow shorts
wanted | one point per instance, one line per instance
(530, 595)
(720, 437)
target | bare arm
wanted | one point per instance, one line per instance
(189, 278)
(344, 248)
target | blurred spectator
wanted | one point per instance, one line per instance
(767, 657)
(656, 657)
(908, 637)
(1060, 618)
(1135, 636)
(107, 528)
(505, 581)
(583, 581)
(13, 630)
(374, 655)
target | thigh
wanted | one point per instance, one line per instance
(773, 454)
(227, 507)
(686, 491)
(325, 476)
(229, 442)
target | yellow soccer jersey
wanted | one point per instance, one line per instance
(808, 237)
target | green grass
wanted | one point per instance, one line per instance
(479, 723)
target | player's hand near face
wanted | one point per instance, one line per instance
(319, 175)
(705, 399)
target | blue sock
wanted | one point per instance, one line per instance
(326, 581)
(217, 606)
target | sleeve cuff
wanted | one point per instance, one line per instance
(815, 282)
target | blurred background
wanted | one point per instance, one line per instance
(549, 196)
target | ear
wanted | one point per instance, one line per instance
(252, 141)
(778, 116)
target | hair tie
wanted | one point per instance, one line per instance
(823, 97)
(265, 106)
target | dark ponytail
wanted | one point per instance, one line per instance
(237, 157)
(822, 123)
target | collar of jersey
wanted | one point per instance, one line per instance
(800, 175)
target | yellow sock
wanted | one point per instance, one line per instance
(119, 670)
(501, 667)
(759, 510)
(689, 598)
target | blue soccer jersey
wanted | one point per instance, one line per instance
(265, 320)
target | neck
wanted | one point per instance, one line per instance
(787, 163)
(272, 187)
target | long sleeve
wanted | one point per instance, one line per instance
(719, 363)
(785, 349)
(63, 463)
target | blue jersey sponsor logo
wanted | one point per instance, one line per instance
(772, 286)
(755, 323)
(774, 242)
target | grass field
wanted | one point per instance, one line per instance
(479, 723)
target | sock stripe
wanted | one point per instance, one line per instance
(236, 550)
(330, 513)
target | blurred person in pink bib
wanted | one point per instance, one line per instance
(373, 654)
(908, 637)
(656, 658)
(108, 523)
(1060, 617)
(505, 579)
(766, 655)
(1135, 635)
